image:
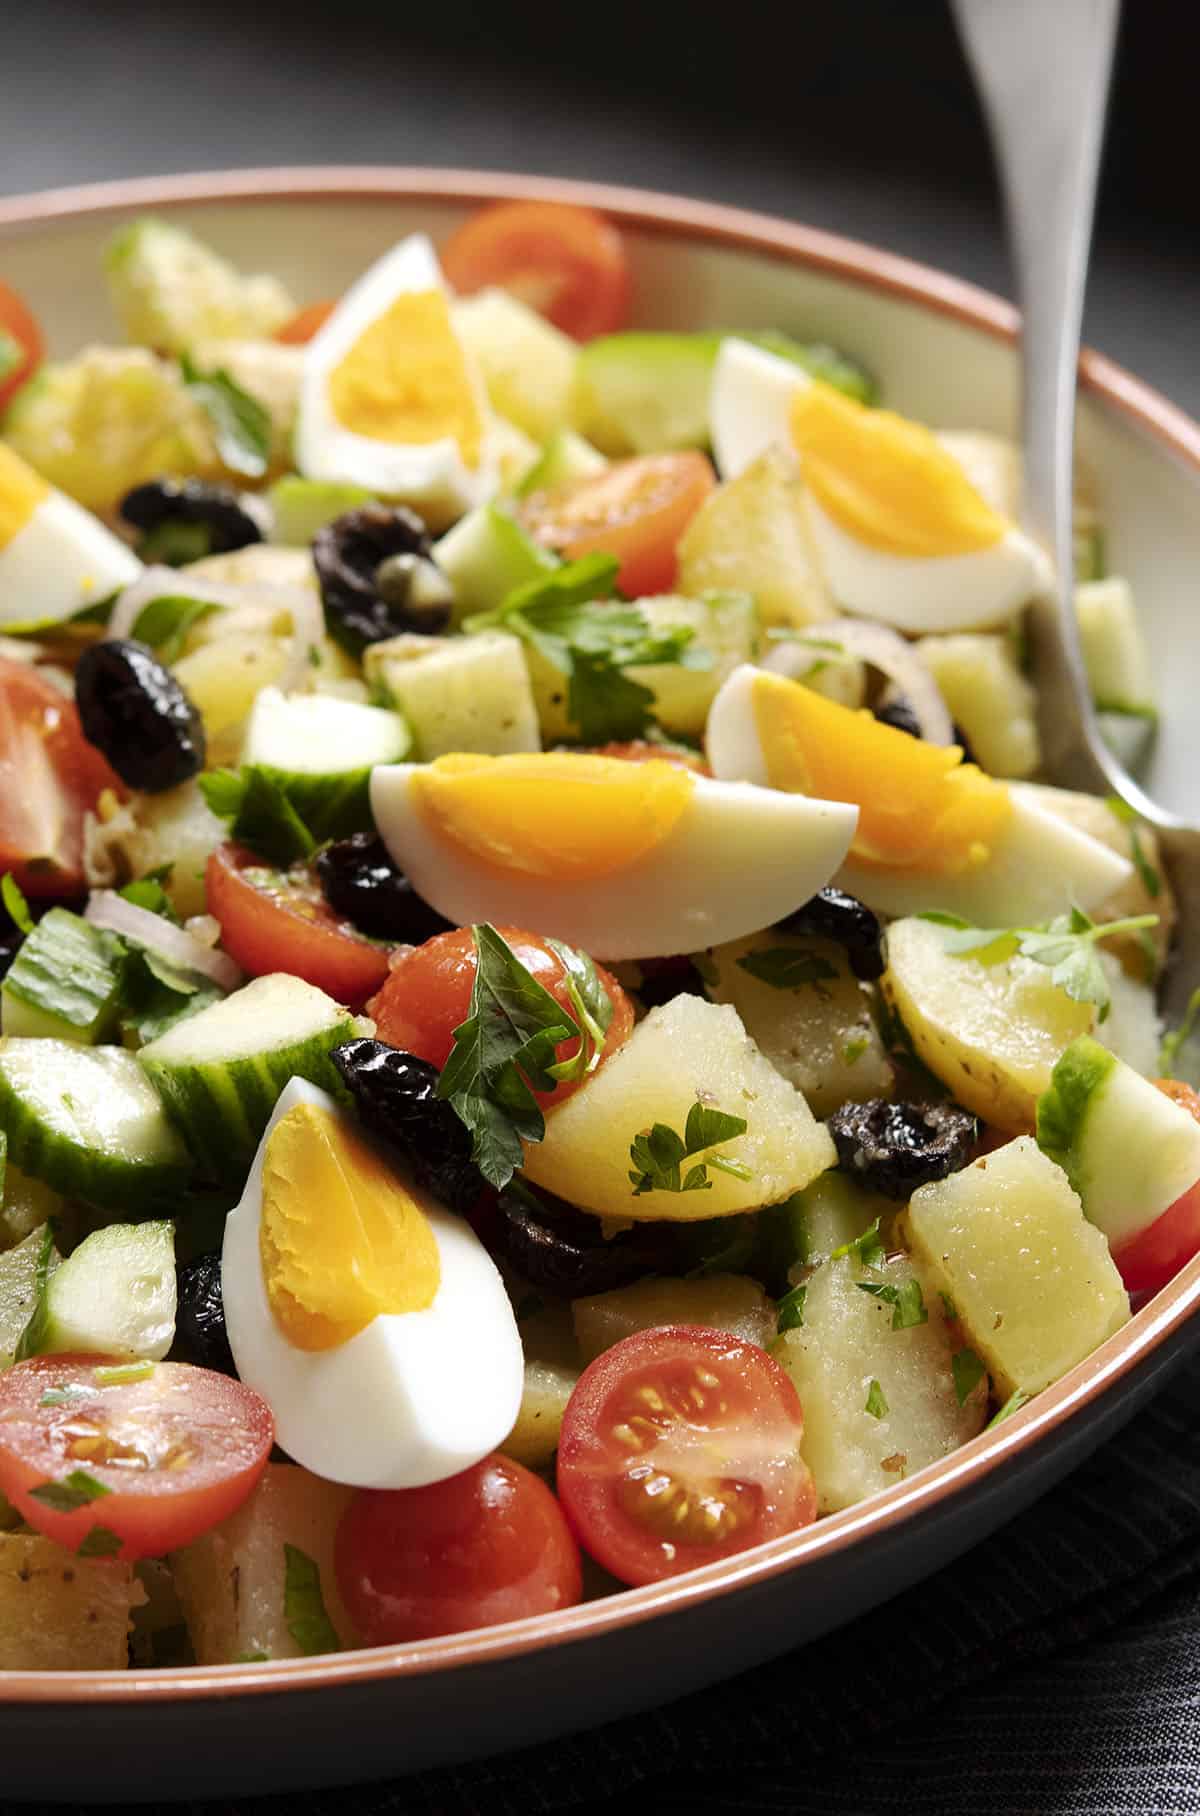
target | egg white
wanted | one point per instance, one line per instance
(431, 476)
(1038, 867)
(738, 858)
(411, 1399)
(750, 403)
(60, 560)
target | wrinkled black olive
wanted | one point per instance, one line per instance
(348, 554)
(165, 510)
(898, 713)
(395, 1094)
(893, 1148)
(200, 1334)
(833, 915)
(360, 882)
(135, 712)
(562, 1250)
(663, 979)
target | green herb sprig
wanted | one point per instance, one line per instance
(1067, 946)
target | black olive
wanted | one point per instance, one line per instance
(135, 712)
(10, 945)
(562, 1250)
(183, 519)
(898, 713)
(348, 555)
(893, 1148)
(964, 744)
(360, 881)
(200, 1334)
(663, 979)
(395, 1094)
(833, 915)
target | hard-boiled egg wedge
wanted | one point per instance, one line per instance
(390, 398)
(372, 1321)
(55, 557)
(933, 832)
(627, 860)
(899, 531)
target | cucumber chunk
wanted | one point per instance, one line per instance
(564, 461)
(1114, 650)
(220, 1072)
(87, 1122)
(66, 982)
(20, 1269)
(485, 556)
(301, 507)
(321, 751)
(114, 1296)
(458, 693)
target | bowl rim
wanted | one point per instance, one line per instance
(852, 261)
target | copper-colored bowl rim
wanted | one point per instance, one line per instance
(1040, 1421)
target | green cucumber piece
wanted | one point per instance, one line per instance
(485, 556)
(220, 1072)
(28, 1204)
(301, 507)
(458, 693)
(86, 1121)
(1113, 648)
(114, 1296)
(1127, 1149)
(66, 982)
(321, 751)
(564, 461)
(22, 1270)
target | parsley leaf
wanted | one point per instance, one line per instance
(866, 1249)
(76, 1490)
(164, 623)
(505, 1047)
(789, 968)
(1128, 816)
(789, 1312)
(1067, 946)
(1016, 1399)
(304, 1605)
(593, 1011)
(240, 424)
(907, 1302)
(968, 1372)
(11, 355)
(147, 892)
(854, 1049)
(14, 901)
(876, 1404)
(1168, 1053)
(66, 1396)
(658, 1153)
(100, 1542)
(262, 815)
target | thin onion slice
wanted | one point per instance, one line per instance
(175, 945)
(302, 604)
(883, 649)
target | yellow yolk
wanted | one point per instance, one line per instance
(21, 492)
(920, 806)
(559, 814)
(886, 481)
(340, 1239)
(405, 380)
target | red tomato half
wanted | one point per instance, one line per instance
(152, 1463)
(428, 995)
(1156, 1253)
(279, 921)
(304, 324)
(567, 263)
(636, 510)
(679, 1446)
(486, 1546)
(50, 777)
(21, 344)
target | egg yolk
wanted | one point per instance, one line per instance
(559, 814)
(405, 380)
(886, 481)
(919, 805)
(340, 1239)
(21, 492)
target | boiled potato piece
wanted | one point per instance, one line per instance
(63, 1613)
(230, 1583)
(847, 1355)
(991, 1033)
(185, 831)
(722, 1301)
(1032, 1280)
(268, 371)
(806, 1011)
(979, 679)
(221, 679)
(686, 1052)
(527, 365)
(264, 564)
(750, 536)
(1093, 815)
(552, 1367)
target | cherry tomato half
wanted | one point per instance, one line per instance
(1158, 1252)
(128, 1468)
(567, 263)
(301, 328)
(428, 995)
(50, 777)
(679, 1446)
(21, 344)
(280, 921)
(485, 1546)
(636, 510)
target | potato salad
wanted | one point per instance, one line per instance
(550, 1031)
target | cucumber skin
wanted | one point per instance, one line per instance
(78, 968)
(1062, 1109)
(332, 807)
(112, 1181)
(222, 1108)
(99, 1320)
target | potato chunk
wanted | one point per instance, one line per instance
(750, 536)
(62, 1613)
(722, 1301)
(1031, 1279)
(685, 1052)
(878, 1402)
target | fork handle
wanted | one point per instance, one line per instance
(1042, 68)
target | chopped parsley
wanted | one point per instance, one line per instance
(100, 1542)
(1067, 946)
(240, 424)
(659, 1152)
(11, 355)
(789, 968)
(866, 1249)
(262, 815)
(948, 1305)
(593, 1011)
(1128, 816)
(304, 1606)
(790, 1310)
(876, 1404)
(76, 1490)
(164, 623)
(968, 1372)
(1014, 1403)
(14, 901)
(854, 1048)
(907, 1302)
(122, 1374)
(1168, 1053)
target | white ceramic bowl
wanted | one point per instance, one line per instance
(944, 352)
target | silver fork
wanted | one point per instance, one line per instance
(1042, 68)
